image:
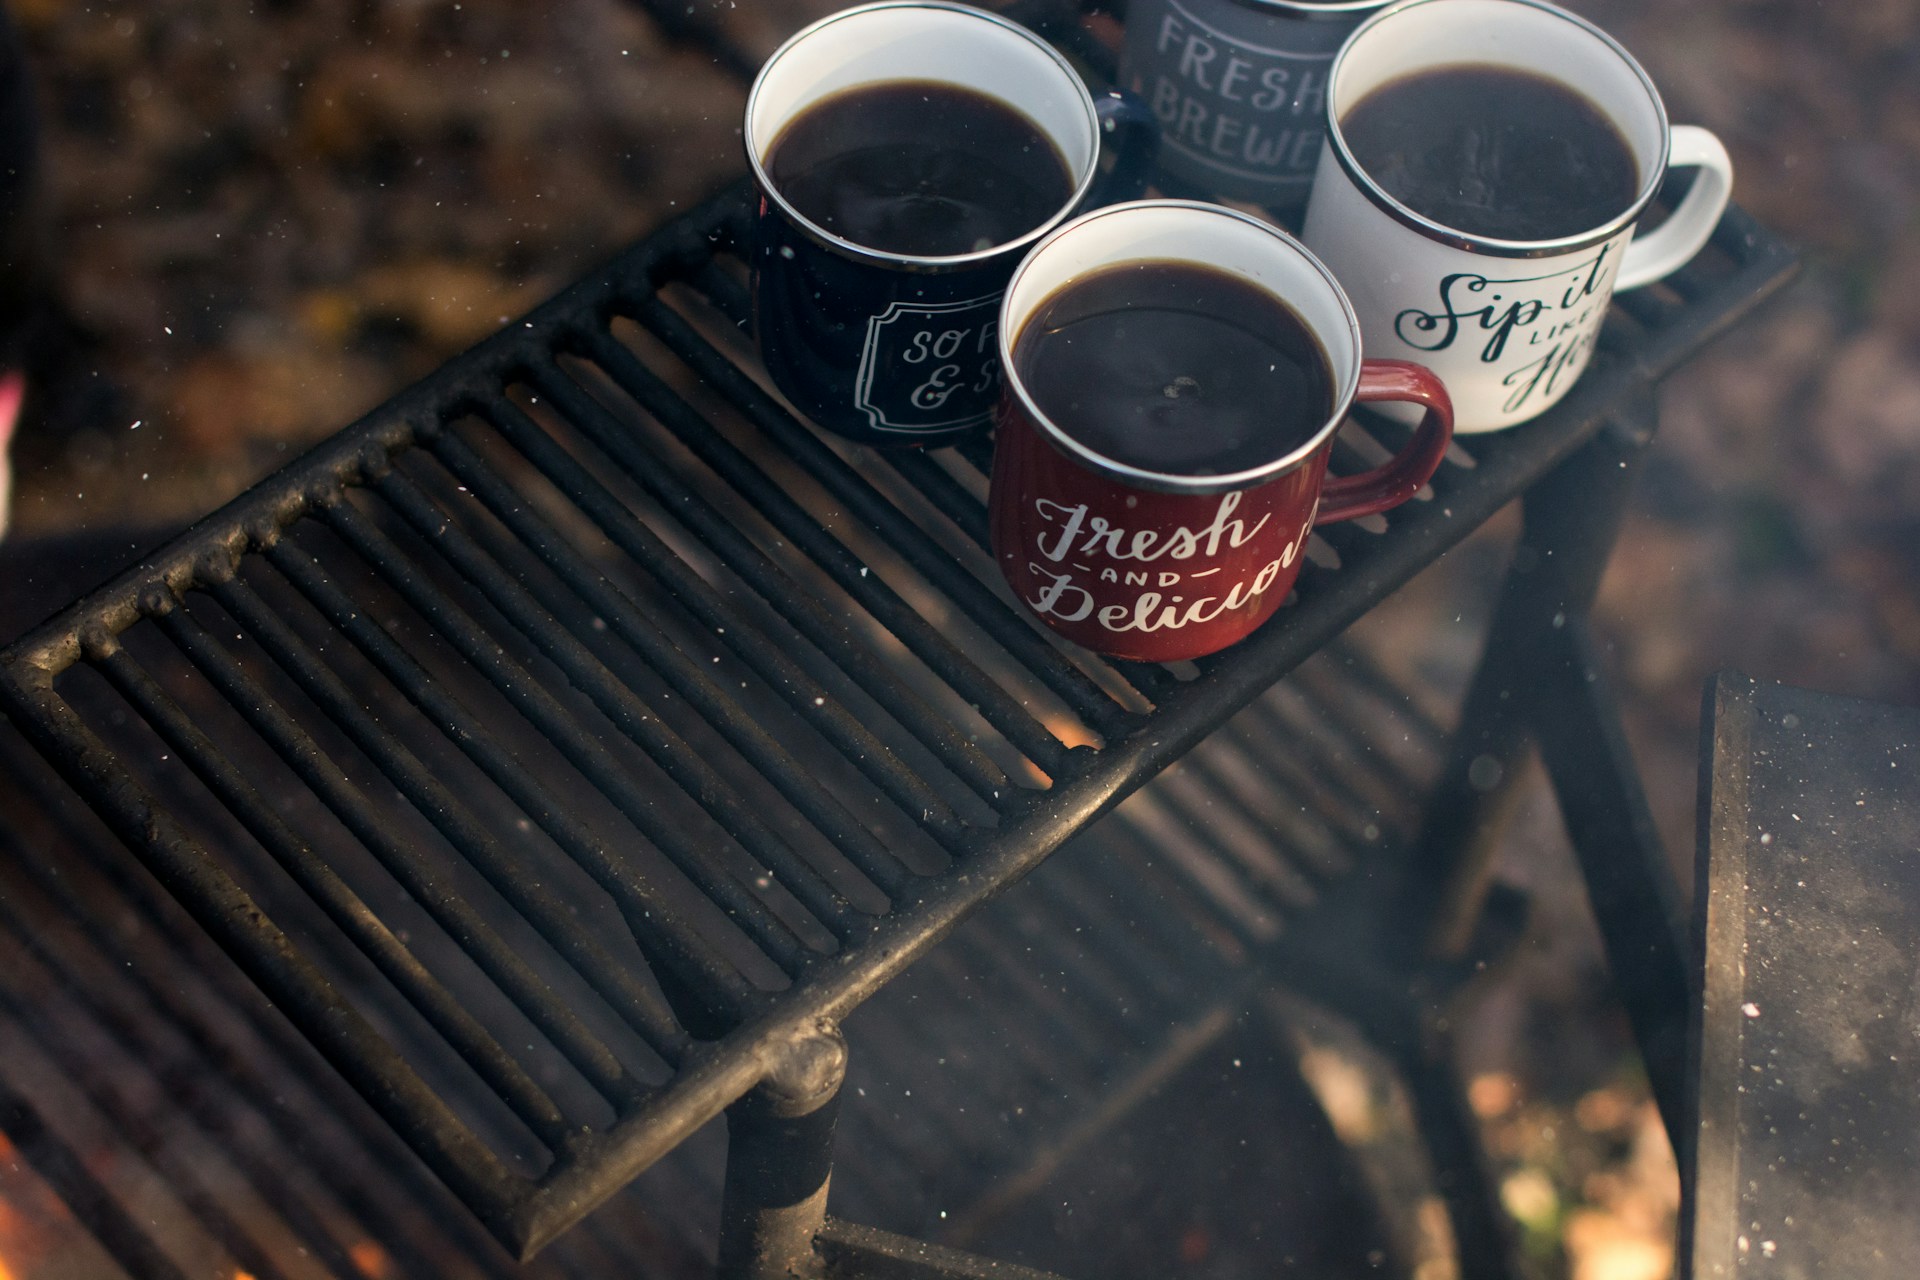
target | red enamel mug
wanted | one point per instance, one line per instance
(1158, 566)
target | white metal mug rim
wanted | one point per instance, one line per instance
(1493, 245)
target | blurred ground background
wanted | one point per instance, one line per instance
(269, 216)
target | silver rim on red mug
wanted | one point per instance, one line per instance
(1443, 234)
(1165, 482)
(841, 244)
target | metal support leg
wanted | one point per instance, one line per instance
(1630, 883)
(1571, 520)
(1488, 1244)
(1447, 885)
(1540, 681)
(1400, 1018)
(779, 1161)
(854, 1252)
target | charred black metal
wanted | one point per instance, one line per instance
(884, 762)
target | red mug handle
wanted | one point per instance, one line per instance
(1399, 477)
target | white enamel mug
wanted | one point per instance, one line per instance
(1508, 325)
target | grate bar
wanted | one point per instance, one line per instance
(954, 981)
(643, 1011)
(634, 718)
(920, 1124)
(1262, 784)
(947, 967)
(931, 560)
(941, 655)
(1762, 265)
(741, 773)
(948, 496)
(185, 1079)
(270, 959)
(211, 1055)
(1069, 897)
(782, 674)
(538, 904)
(345, 908)
(753, 916)
(920, 1033)
(1366, 759)
(1327, 819)
(28, 1008)
(1267, 739)
(1144, 912)
(1693, 278)
(1072, 1023)
(1232, 925)
(82, 1193)
(977, 450)
(1348, 459)
(1349, 541)
(1085, 975)
(805, 614)
(1212, 874)
(1312, 829)
(985, 1055)
(1059, 945)
(1206, 814)
(1171, 903)
(1360, 668)
(1151, 679)
(619, 612)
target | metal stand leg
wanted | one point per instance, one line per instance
(1571, 520)
(1540, 679)
(779, 1161)
(1396, 1013)
(1488, 1245)
(1630, 883)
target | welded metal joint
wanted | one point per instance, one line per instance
(97, 643)
(779, 1162)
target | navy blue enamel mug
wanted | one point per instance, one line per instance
(908, 155)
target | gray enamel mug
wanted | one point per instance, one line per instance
(1239, 88)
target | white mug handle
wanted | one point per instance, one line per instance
(1673, 243)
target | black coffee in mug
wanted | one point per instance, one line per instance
(1175, 368)
(919, 167)
(1494, 151)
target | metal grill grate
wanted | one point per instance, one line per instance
(1131, 951)
(561, 741)
(187, 1126)
(585, 678)
(1126, 957)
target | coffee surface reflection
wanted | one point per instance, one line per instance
(1175, 368)
(921, 168)
(1494, 152)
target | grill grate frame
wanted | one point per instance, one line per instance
(487, 633)
(1135, 954)
(584, 677)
